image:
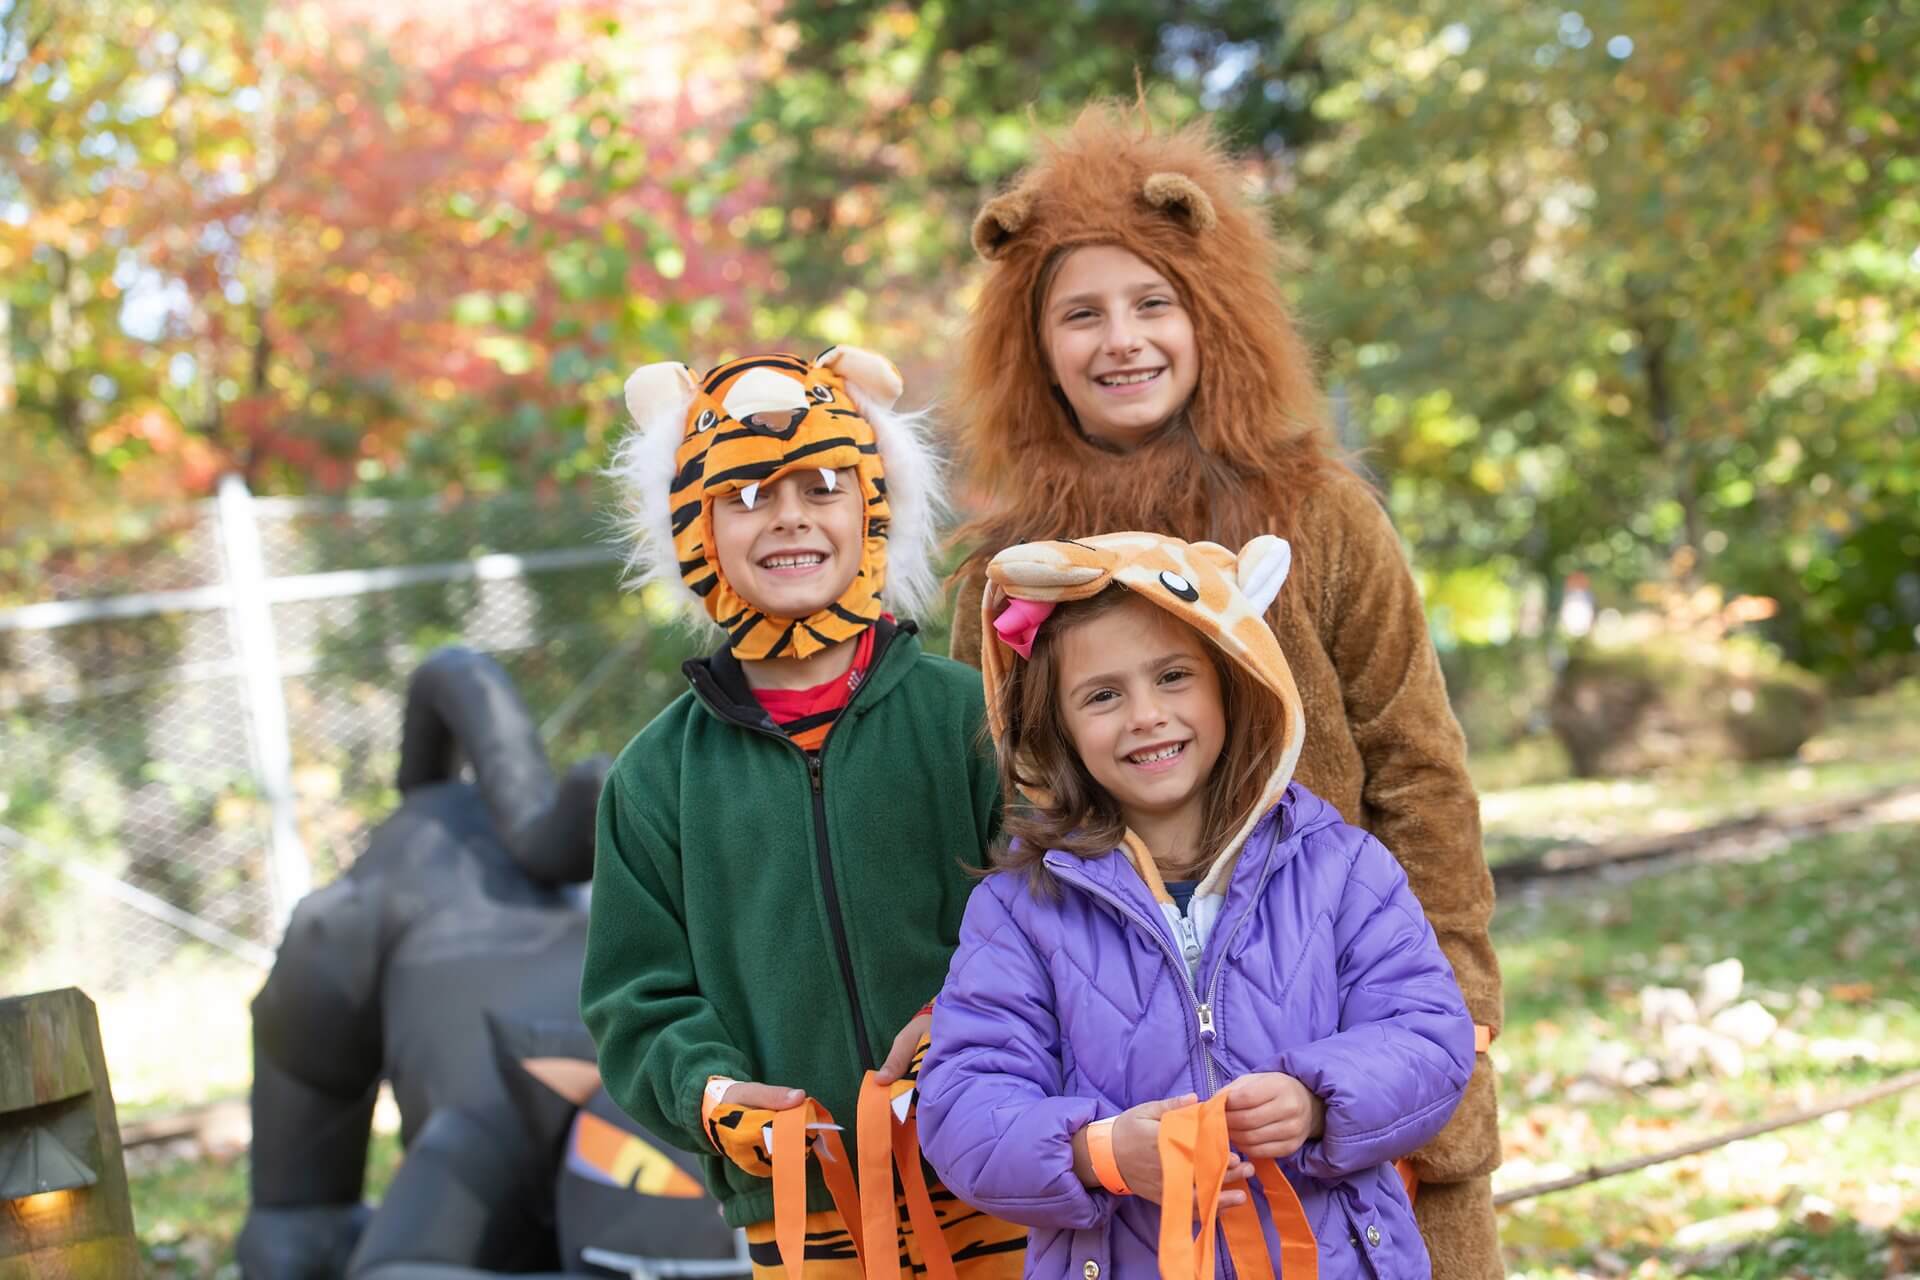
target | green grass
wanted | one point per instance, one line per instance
(1829, 931)
(189, 1212)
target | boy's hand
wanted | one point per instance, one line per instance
(1271, 1114)
(905, 1045)
(735, 1114)
(1136, 1152)
(760, 1097)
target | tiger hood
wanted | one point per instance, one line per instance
(1221, 595)
(746, 423)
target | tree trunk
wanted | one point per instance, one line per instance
(1673, 449)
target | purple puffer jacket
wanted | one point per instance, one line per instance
(1058, 1013)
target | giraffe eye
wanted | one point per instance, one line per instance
(1178, 585)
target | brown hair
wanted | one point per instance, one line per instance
(1251, 442)
(1036, 754)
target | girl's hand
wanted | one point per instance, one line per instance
(905, 1045)
(1136, 1152)
(1271, 1114)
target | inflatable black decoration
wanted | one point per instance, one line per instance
(446, 962)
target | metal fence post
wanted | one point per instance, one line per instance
(250, 620)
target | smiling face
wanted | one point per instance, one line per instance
(1140, 700)
(791, 547)
(1119, 344)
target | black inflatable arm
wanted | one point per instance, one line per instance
(318, 1016)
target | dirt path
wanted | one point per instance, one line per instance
(1726, 838)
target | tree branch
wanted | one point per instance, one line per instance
(1594, 1173)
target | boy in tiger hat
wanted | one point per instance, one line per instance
(783, 853)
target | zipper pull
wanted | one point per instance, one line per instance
(1206, 1020)
(1189, 942)
(813, 771)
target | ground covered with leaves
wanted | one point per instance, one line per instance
(1647, 1006)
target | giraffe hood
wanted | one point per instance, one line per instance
(1221, 595)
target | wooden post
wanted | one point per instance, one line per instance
(58, 1127)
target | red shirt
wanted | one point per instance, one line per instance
(807, 714)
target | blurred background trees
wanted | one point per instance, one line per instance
(1616, 300)
(1625, 289)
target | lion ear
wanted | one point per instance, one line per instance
(999, 221)
(1177, 194)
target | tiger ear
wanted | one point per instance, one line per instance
(1262, 570)
(999, 221)
(1180, 195)
(872, 377)
(654, 390)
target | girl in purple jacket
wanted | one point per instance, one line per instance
(1173, 919)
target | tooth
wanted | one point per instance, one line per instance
(750, 495)
(830, 478)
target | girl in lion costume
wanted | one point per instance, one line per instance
(1131, 364)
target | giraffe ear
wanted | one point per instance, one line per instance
(1262, 570)
(999, 221)
(1048, 571)
(1177, 194)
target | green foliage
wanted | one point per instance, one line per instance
(1610, 283)
(886, 125)
(1598, 287)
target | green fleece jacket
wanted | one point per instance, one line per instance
(766, 915)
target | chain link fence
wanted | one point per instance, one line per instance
(200, 716)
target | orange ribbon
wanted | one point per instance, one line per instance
(1193, 1168)
(866, 1206)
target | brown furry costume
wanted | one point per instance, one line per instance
(1248, 456)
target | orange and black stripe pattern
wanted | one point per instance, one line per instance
(753, 420)
(983, 1247)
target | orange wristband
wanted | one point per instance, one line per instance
(1100, 1156)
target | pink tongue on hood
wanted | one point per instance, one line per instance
(1019, 623)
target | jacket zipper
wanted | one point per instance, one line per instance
(1259, 891)
(830, 892)
(1202, 1011)
(835, 921)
